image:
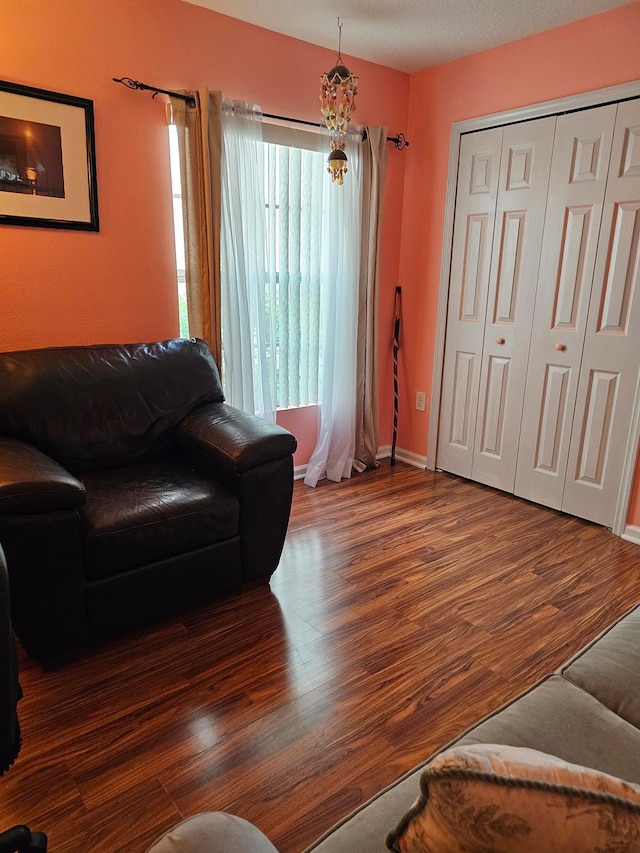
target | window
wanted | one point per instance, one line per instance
(294, 173)
(176, 189)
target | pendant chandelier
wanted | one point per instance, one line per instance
(338, 89)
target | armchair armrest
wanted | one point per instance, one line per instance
(10, 691)
(236, 440)
(254, 459)
(40, 535)
(33, 482)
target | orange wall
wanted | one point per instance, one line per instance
(66, 287)
(70, 287)
(589, 54)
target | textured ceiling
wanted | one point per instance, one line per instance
(409, 35)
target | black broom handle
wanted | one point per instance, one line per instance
(396, 346)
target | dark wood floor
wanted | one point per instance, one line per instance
(407, 605)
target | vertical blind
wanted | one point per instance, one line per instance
(293, 206)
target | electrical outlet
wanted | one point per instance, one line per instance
(421, 401)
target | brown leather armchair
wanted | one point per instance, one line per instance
(129, 490)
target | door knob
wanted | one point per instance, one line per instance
(500, 341)
(561, 347)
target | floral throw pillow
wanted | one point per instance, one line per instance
(491, 798)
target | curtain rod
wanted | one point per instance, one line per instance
(399, 140)
(136, 84)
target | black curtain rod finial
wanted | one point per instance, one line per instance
(399, 140)
(136, 84)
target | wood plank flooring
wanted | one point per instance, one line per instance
(407, 605)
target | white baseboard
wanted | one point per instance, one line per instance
(414, 459)
(384, 452)
(632, 534)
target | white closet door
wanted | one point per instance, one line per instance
(479, 166)
(522, 195)
(572, 225)
(611, 357)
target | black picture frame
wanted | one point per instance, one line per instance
(47, 159)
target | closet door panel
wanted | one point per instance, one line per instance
(479, 165)
(577, 187)
(522, 192)
(611, 358)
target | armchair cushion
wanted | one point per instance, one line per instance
(148, 512)
(32, 482)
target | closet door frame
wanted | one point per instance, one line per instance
(584, 100)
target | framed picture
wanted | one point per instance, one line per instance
(47, 159)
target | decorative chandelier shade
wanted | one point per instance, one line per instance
(337, 161)
(338, 89)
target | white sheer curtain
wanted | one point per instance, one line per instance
(339, 267)
(321, 229)
(248, 335)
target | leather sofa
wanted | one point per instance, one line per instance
(587, 713)
(129, 490)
